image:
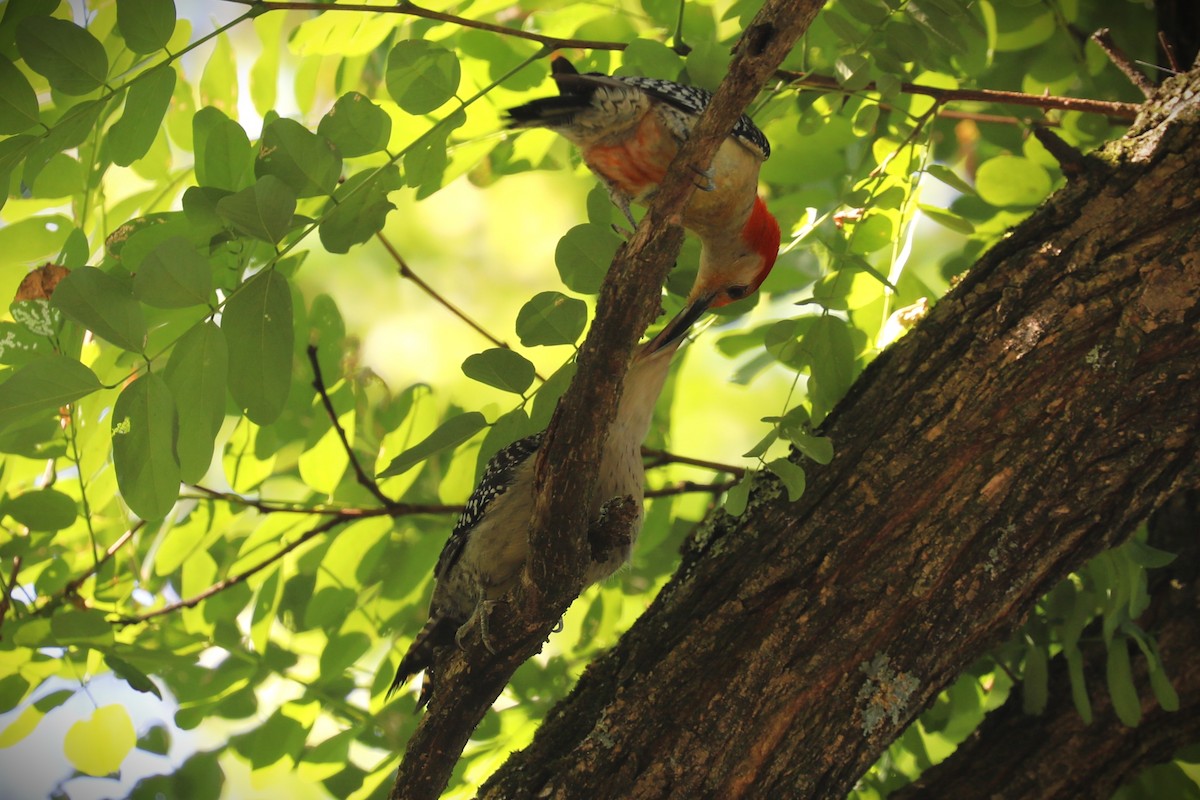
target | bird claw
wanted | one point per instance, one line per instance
(558, 626)
(482, 610)
(708, 184)
(624, 233)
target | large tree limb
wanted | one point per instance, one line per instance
(1045, 406)
(1057, 754)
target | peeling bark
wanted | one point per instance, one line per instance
(1046, 406)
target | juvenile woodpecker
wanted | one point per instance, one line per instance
(483, 557)
(628, 130)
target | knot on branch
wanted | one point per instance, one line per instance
(611, 533)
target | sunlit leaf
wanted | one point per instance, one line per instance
(145, 105)
(305, 161)
(359, 210)
(792, 476)
(18, 101)
(98, 745)
(196, 375)
(41, 510)
(551, 318)
(263, 210)
(146, 25)
(356, 125)
(583, 256)
(450, 433)
(421, 76)
(44, 385)
(1012, 181)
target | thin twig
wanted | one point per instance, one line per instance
(73, 585)
(345, 512)
(1109, 108)
(660, 458)
(9, 588)
(691, 487)
(409, 9)
(232, 580)
(363, 478)
(406, 272)
(1169, 51)
(1116, 55)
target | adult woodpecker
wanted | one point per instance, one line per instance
(628, 130)
(485, 552)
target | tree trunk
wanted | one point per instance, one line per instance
(1044, 407)
(1057, 754)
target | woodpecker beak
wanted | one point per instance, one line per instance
(681, 324)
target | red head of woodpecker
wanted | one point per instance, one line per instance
(629, 129)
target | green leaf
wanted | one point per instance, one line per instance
(12, 691)
(950, 178)
(146, 25)
(583, 256)
(947, 219)
(196, 375)
(19, 345)
(830, 351)
(44, 385)
(1012, 181)
(81, 627)
(1035, 681)
(818, 448)
(145, 106)
(500, 367)
(305, 161)
(18, 101)
(1079, 692)
(224, 158)
(551, 318)
(144, 431)
(127, 672)
(72, 59)
(354, 124)
(98, 745)
(359, 208)
(853, 71)
(1120, 683)
(258, 327)
(738, 497)
(1164, 692)
(933, 20)
(792, 476)
(41, 510)
(173, 275)
(264, 210)
(421, 76)
(103, 304)
(450, 433)
(1146, 556)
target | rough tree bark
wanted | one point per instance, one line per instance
(1057, 754)
(1043, 408)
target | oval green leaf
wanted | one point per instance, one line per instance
(583, 256)
(551, 318)
(146, 25)
(421, 76)
(305, 161)
(18, 101)
(354, 124)
(792, 476)
(98, 746)
(173, 275)
(450, 433)
(1035, 681)
(1120, 683)
(68, 56)
(264, 210)
(144, 431)
(259, 331)
(224, 158)
(145, 106)
(196, 375)
(42, 386)
(1012, 181)
(501, 368)
(361, 209)
(42, 510)
(103, 304)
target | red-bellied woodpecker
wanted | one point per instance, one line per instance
(484, 555)
(628, 130)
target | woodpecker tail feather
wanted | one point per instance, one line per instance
(547, 111)
(437, 632)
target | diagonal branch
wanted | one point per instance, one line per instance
(232, 580)
(363, 478)
(566, 470)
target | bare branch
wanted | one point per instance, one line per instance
(9, 588)
(232, 580)
(345, 512)
(659, 458)
(690, 487)
(1125, 112)
(406, 272)
(1116, 55)
(363, 478)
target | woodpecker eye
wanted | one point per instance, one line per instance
(737, 292)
